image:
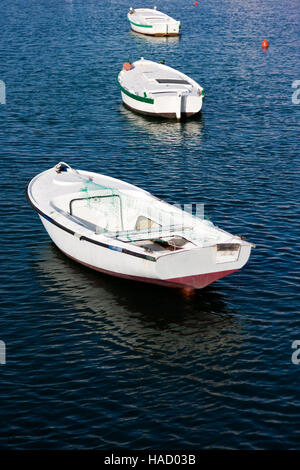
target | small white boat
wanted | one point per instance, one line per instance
(158, 90)
(152, 22)
(116, 228)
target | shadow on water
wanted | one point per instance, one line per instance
(168, 131)
(135, 314)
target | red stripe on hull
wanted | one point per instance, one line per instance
(193, 282)
(201, 280)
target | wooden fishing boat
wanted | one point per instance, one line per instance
(158, 90)
(119, 229)
(152, 22)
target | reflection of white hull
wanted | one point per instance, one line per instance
(96, 297)
(142, 38)
(158, 90)
(153, 23)
(174, 255)
(166, 131)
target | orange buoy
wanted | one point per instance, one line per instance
(195, 3)
(127, 66)
(265, 44)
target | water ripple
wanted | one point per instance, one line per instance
(96, 362)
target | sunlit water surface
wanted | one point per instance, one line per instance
(98, 362)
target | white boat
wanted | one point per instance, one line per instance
(152, 22)
(158, 90)
(117, 228)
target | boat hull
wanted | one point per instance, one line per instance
(157, 34)
(189, 282)
(172, 107)
(191, 269)
(163, 115)
(163, 30)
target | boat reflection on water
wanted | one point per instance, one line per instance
(142, 38)
(150, 319)
(167, 131)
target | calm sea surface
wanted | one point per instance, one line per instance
(97, 362)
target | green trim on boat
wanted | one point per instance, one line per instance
(135, 97)
(140, 25)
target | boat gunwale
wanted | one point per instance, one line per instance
(83, 237)
(140, 25)
(135, 97)
(91, 240)
(103, 244)
(143, 12)
(107, 245)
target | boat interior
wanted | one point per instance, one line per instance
(153, 16)
(158, 19)
(137, 218)
(162, 80)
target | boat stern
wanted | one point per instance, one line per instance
(177, 104)
(170, 28)
(199, 267)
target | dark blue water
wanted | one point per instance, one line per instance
(97, 362)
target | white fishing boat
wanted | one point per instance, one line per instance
(119, 229)
(158, 90)
(152, 22)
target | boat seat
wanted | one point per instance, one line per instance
(149, 233)
(143, 223)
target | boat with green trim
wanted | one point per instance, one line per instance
(152, 22)
(155, 89)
